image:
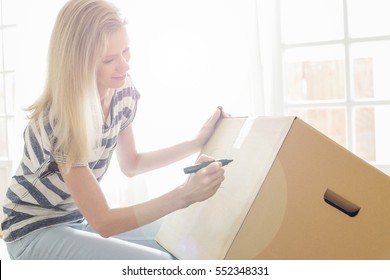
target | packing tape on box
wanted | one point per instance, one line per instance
(246, 128)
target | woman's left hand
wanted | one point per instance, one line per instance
(208, 128)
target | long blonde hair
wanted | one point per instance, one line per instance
(78, 42)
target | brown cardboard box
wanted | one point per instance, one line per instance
(290, 193)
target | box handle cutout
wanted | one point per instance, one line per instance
(341, 203)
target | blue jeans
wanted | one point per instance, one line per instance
(78, 241)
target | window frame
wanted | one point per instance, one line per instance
(280, 105)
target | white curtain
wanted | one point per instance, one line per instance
(188, 57)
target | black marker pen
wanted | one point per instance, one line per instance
(197, 167)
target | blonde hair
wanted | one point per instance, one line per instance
(78, 42)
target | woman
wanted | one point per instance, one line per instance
(55, 208)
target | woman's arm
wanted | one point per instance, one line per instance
(132, 163)
(106, 221)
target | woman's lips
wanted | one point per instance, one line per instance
(120, 78)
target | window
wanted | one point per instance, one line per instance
(334, 71)
(7, 90)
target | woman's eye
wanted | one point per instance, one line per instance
(106, 61)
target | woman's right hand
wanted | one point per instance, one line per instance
(204, 183)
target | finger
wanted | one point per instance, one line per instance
(216, 184)
(226, 115)
(215, 117)
(204, 158)
(213, 167)
(210, 173)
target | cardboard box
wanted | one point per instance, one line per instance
(290, 193)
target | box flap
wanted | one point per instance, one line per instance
(206, 230)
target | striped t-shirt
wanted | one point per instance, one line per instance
(38, 197)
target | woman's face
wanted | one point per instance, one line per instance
(113, 67)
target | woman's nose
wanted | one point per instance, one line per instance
(123, 65)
